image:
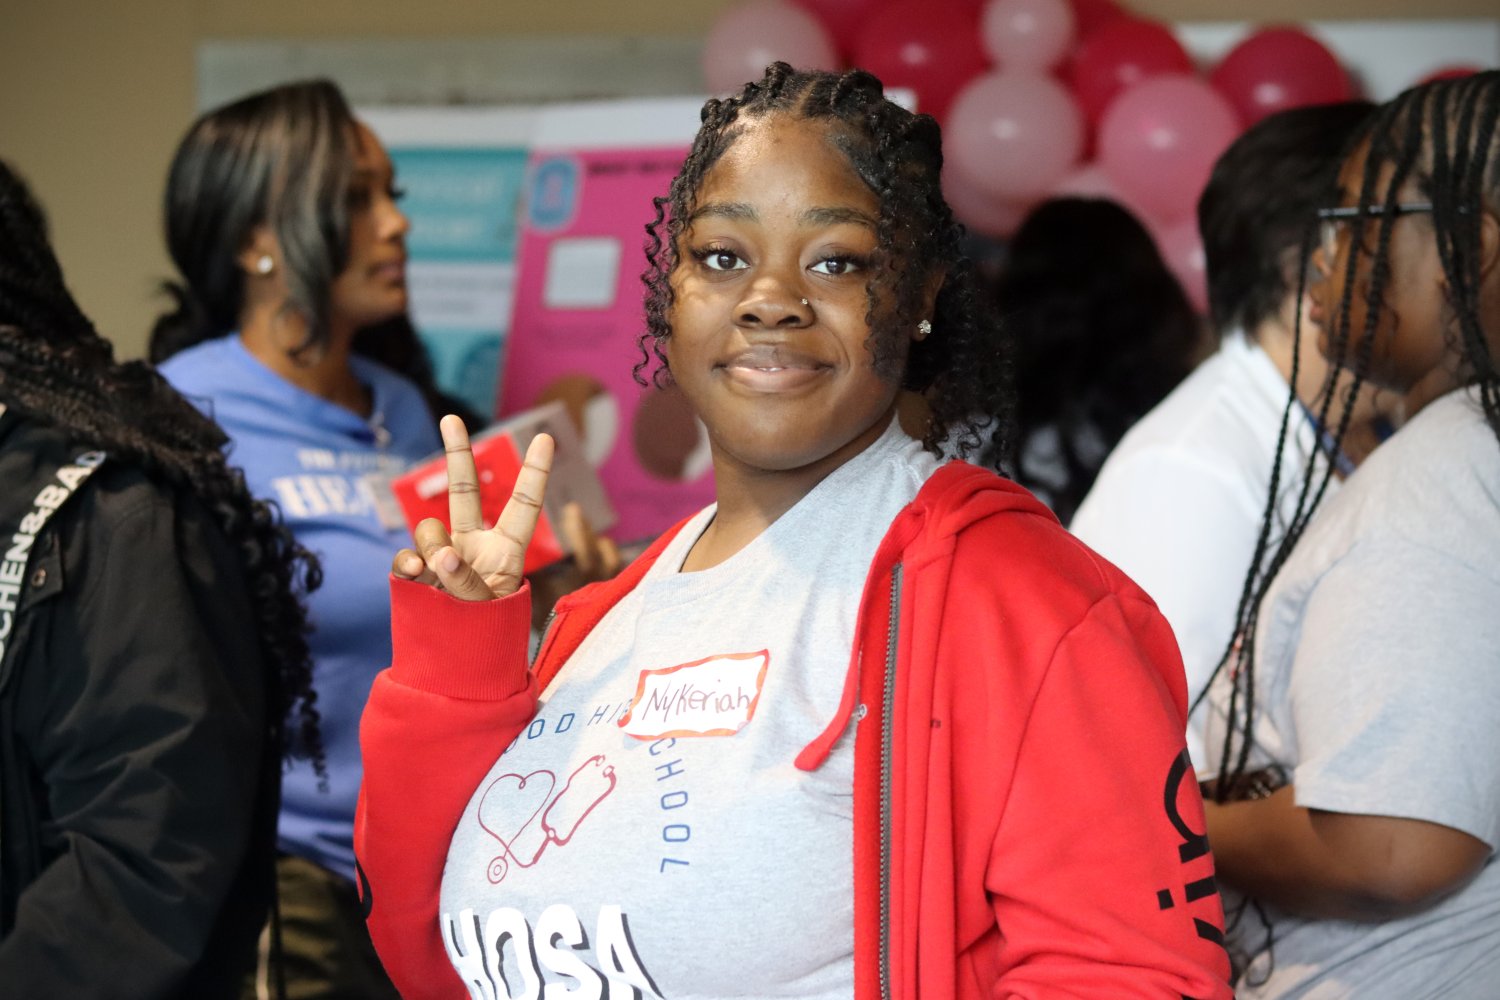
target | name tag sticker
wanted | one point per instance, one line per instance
(712, 697)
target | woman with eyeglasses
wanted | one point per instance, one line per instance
(1352, 732)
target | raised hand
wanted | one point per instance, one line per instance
(473, 563)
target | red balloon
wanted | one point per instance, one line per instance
(1449, 73)
(1091, 15)
(1121, 54)
(842, 18)
(931, 49)
(1280, 68)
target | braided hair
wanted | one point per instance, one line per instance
(1442, 137)
(962, 367)
(56, 369)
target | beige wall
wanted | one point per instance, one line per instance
(95, 93)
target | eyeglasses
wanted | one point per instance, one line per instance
(1329, 220)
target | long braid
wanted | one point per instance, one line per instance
(1454, 125)
(962, 368)
(58, 370)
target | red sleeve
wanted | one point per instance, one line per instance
(456, 694)
(1100, 875)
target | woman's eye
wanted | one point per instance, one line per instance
(722, 260)
(837, 265)
(396, 193)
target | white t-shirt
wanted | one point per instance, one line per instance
(649, 831)
(1378, 688)
(1180, 501)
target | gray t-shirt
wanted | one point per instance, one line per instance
(649, 830)
(1378, 686)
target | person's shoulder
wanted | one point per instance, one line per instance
(1442, 468)
(1004, 539)
(203, 366)
(1223, 415)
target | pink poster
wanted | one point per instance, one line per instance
(593, 172)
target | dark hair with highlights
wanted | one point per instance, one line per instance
(282, 158)
(56, 369)
(960, 367)
(1443, 138)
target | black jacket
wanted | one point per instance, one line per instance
(138, 779)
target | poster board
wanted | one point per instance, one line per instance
(593, 172)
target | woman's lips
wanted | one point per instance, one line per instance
(394, 270)
(773, 368)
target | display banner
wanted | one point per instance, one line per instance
(594, 170)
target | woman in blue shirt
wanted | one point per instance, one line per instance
(281, 216)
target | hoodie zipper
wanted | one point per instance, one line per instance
(541, 643)
(887, 734)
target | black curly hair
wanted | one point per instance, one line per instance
(1442, 137)
(56, 369)
(962, 367)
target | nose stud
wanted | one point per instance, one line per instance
(804, 302)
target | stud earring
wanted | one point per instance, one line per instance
(264, 264)
(923, 329)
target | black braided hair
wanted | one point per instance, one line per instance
(962, 367)
(56, 369)
(1443, 137)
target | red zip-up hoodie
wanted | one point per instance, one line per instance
(1026, 823)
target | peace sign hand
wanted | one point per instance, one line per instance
(475, 564)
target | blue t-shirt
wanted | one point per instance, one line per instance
(326, 468)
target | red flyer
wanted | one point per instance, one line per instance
(422, 492)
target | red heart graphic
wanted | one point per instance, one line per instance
(508, 798)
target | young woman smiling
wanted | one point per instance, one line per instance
(870, 725)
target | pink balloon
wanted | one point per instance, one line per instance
(1159, 140)
(1181, 248)
(1280, 68)
(748, 37)
(842, 19)
(1013, 136)
(981, 212)
(1027, 34)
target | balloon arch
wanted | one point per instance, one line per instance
(1041, 98)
